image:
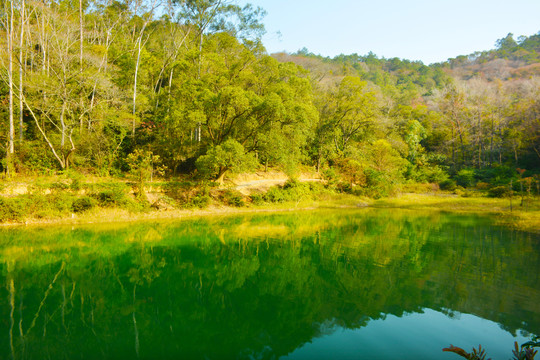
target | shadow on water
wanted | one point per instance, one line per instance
(257, 286)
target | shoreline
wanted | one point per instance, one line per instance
(517, 219)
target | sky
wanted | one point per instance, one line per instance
(426, 30)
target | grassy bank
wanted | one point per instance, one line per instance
(74, 201)
(63, 200)
(512, 213)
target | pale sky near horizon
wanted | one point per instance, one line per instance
(430, 31)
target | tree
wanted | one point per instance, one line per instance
(7, 19)
(506, 44)
(414, 134)
(454, 107)
(143, 165)
(210, 16)
(229, 156)
(348, 111)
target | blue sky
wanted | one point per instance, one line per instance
(430, 31)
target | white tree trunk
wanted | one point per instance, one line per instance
(135, 84)
(21, 70)
(11, 147)
(81, 35)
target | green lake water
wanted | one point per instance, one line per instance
(347, 284)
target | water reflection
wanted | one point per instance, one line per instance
(261, 286)
(401, 338)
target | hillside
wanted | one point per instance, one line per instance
(511, 60)
(123, 90)
(481, 107)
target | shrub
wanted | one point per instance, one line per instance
(82, 204)
(416, 188)
(498, 174)
(111, 194)
(448, 185)
(499, 192)
(61, 203)
(275, 195)
(233, 198)
(12, 209)
(58, 187)
(465, 177)
(344, 187)
(482, 186)
(200, 201)
(379, 184)
(425, 174)
(257, 199)
(330, 176)
(467, 194)
(76, 181)
(436, 174)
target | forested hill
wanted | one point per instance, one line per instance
(510, 60)
(483, 107)
(109, 87)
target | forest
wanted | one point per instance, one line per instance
(185, 89)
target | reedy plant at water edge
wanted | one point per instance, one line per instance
(526, 352)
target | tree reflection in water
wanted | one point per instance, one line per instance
(255, 286)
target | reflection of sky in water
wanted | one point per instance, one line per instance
(415, 336)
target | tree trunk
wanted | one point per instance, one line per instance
(63, 123)
(21, 44)
(169, 91)
(221, 175)
(81, 35)
(11, 147)
(491, 141)
(453, 149)
(200, 55)
(135, 88)
(49, 143)
(139, 45)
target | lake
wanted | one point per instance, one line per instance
(326, 284)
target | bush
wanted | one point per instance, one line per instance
(61, 203)
(498, 174)
(76, 181)
(200, 201)
(482, 186)
(499, 192)
(344, 187)
(448, 185)
(275, 194)
(416, 188)
(428, 174)
(292, 190)
(468, 194)
(379, 184)
(465, 177)
(233, 198)
(111, 195)
(58, 187)
(330, 176)
(82, 204)
(12, 209)
(181, 192)
(257, 199)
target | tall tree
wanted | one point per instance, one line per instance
(348, 111)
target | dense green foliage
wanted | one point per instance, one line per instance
(114, 89)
